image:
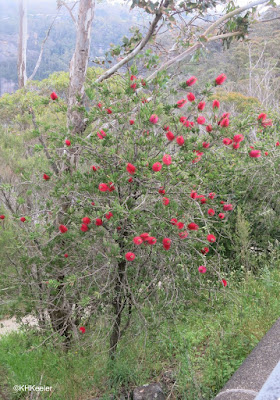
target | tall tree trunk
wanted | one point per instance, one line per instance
(78, 67)
(22, 44)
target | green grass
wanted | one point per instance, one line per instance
(193, 357)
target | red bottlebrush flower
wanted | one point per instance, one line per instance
(109, 215)
(255, 153)
(167, 159)
(166, 243)
(180, 225)
(119, 228)
(111, 187)
(227, 141)
(170, 136)
(205, 145)
(46, 177)
(131, 169)
(22, 219)
(130, 256)
(211, 212)
(103, 187)
(84, 228)
(209, 128)
(262, 116)
(252, 147)
(193, 226)
(183, 119)
(145, 236)
(131, 121)
(211, 195)
(203, 200)
(93, 203)
(266, 153)
(201, 105)
(165, 201)
(224, 282)
(205, 250)
(220, 79)
(82, 329)
(157, 166)
(94, 168)
(63, 228)
(267, 123)
(222, 202)
(174, 221)
(227, 207)
(183, 235)
(191, 81)
(191, 96)
(109, 111)
(166, 128)
(144, 100)
(221, 216)
(236, 146)
(193, 194)
(53, 96)
(98, 222)
(101, 134)
(211, 238)
(86, 220)
(66, 255)
(216, 104)
(277, 144)
(133, 77)
(133, 86)
(67, 142)
(130, 180)
(201, 120)
(153, 118)
(238, 138)
(181, 103)
(224, 122)
(180, 140)
(143, 82)
(99, 105)
(151, 240)
(2, 216)
(161, 190)
(137, 240)
(202, 269)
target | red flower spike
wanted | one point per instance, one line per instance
(131, 169)
(166, 243)
(53, 96)
(211, 238)
(63, 228)
(220, 79)
(202, 269)
(98, 222)
(191, 81)
(193, 226)
(130, 256)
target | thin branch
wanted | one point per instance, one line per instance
(206, 38)
(232, 14)
(137, 49)
(70, 12)
(42, 47)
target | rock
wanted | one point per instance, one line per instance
(148, 392)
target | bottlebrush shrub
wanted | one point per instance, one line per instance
(97, 215)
